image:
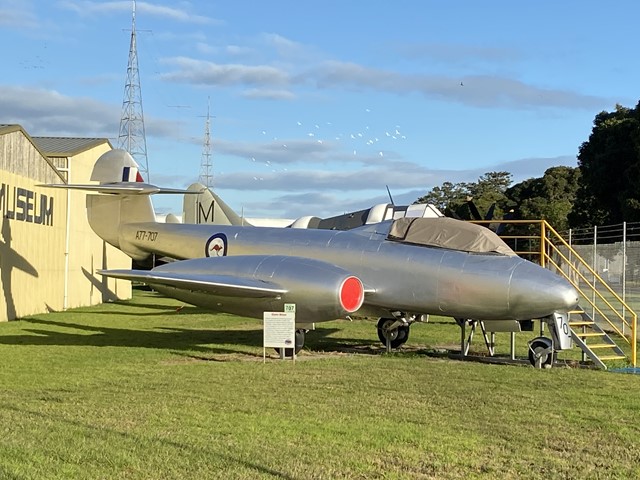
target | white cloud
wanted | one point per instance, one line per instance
(291, 151)
(201, 72)
(89, 8)
(17, 14)
(479, 90)
(269, 94)
(48, 112)
(284, 47)
(482, 91)
(327, 180)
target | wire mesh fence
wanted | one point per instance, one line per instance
(613, 253)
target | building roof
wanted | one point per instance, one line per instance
(56, 146)
(66, 146)
(11, 128)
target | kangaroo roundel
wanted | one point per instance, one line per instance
(216, 246)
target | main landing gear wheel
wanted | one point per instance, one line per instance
(288, 352)
(541, 352)
(397, 336)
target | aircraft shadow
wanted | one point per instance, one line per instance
(320, 340)
(177, 339)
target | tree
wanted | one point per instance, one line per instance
(448, 196)
(549, 198)
(609, 189)
(490, 189)
(452, 198)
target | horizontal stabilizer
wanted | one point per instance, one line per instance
(121, 188)
(224, 285)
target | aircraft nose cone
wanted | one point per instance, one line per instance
(536, 292)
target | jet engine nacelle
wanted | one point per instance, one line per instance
(321, 291)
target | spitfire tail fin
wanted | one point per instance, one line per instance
(208, 207)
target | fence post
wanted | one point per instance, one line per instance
(624, 273)
(594, 264)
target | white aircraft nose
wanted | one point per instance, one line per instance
(536, 292)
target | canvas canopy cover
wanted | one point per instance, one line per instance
(449, 233)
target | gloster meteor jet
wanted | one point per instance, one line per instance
(400, 270)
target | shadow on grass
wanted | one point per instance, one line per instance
(171, 338)
(321, 340)
(198, 342)
(124, 308)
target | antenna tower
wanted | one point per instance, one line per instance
(132, 135)
(206, 168)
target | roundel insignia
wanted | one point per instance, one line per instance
(216, 246)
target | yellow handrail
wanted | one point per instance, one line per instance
(543, 243)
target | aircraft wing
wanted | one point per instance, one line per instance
(224, 285)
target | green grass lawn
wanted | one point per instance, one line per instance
(140, 390)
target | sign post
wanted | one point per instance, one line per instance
(279, 331)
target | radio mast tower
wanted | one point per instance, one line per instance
(132, 135)
(206, 175)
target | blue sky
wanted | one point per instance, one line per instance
(317, 106)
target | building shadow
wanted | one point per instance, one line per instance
(10, 260)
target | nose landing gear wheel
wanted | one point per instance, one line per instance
(397, 336)
(541, 352)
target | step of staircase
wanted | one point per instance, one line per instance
(604, 350)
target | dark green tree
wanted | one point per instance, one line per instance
(549, 198)
(452, 198)
(609, 161)
(489, 190)
(447, 196)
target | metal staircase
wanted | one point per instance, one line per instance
(610, 316)
(611, 320)
(595, 343)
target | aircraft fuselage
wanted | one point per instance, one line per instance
(404, 276)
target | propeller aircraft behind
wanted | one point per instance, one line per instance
(399, 271)
(207, 207)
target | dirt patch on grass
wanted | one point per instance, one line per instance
(341, 351)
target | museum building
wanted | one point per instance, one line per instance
(48, 252)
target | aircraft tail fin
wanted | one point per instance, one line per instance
(127, 198)
(208, 207)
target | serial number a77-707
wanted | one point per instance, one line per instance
(146, 235)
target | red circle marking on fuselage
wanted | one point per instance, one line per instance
(351, 294)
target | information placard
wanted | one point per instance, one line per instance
(279, 329)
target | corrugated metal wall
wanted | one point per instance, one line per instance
(36, 275)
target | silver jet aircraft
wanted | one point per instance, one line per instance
(399, 271)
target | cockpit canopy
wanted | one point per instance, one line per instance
(445, 232)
